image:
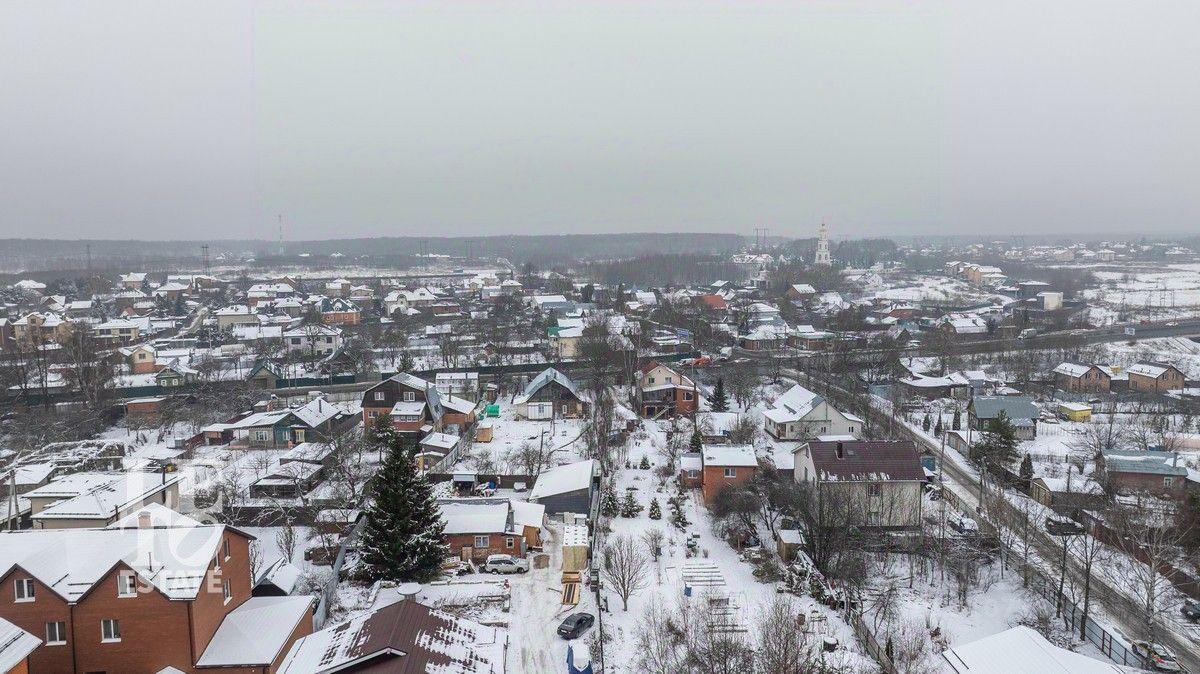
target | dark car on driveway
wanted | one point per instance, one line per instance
(575, 625)
(1191, 611)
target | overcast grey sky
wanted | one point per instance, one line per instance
(204, 120)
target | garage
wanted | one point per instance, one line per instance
(544, 410)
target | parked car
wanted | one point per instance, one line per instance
(1061, 526)
(505, 564)
(1156, 656)
(575, 625)
(963, 525)
(1191, 610)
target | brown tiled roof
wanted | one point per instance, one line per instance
(866, 460)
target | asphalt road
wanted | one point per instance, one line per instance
(1117, 605)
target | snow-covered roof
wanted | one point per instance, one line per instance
(411, 637)
(691, 461)
(475, 518)
(563, 479)
(526, 514)
(282, 574)
(1021, 650)
(160, 516)
(1153, 370)
(545, 377)
(729, 455)
(102, 500)
(316, 412)
(255, 633)
(793, 405)
(1072, 369)
(15, 645)
(445, 441)
(174, 560)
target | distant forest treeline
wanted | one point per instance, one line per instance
(658, 269)
(541, 250)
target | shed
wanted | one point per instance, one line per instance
(575, 547)
(1075, 411)
(569, 488)
(484, 431)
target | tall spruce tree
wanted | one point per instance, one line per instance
(998, 447)
(696, 444)
(402, 538)
(719, 401)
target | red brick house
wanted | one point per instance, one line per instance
(664, 392)
(144, 598)
(725, 466)
(477, 529)
(1152, 378)
(415, 405)
(1079, 378)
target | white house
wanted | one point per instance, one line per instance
(800, 414)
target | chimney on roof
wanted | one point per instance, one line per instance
(841, 452)
(144, 519)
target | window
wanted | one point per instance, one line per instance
(650, 380)
(508, 542)
(261, 436)
(296, 341)
(409, 396)
(874, 489)
(226, 591)
(56, 633)
(1168, 482)
(483, 542)
(693, 473)
(110, 630)
(371, 415)
(126, 584)
(380, 395)
(687, 395)
(731, 472)
(850, 428)
(225, 548)
(24, 589)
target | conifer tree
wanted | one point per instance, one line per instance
(956, 422)
(402, 538)
(609, 505)
(998, 446)
(645, 464)
(1026, 470)
(655, 510)
(937, 429)
(630, 507)
(926, 422)
(719, 401)
(696, 444)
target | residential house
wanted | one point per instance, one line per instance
(1020, 410)
(237, 314)
(800, 414)
(691, 470)
(725, 466)
(434, 448)
(117, 331)
(573, 488)
(145, 598)
(41, 328)
(313, 340)
(801, 292)
(1154, 472)
(464, 385)
(339, 311)
(864, 483)
(550, 395)
(415, 405)
(141, 359)
(1154, 378)
(474, 530)
(962, 326)
(83, 500)
(664, 392)
(403, 637)
(1080, 378)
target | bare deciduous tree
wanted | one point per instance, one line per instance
(625, 568)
